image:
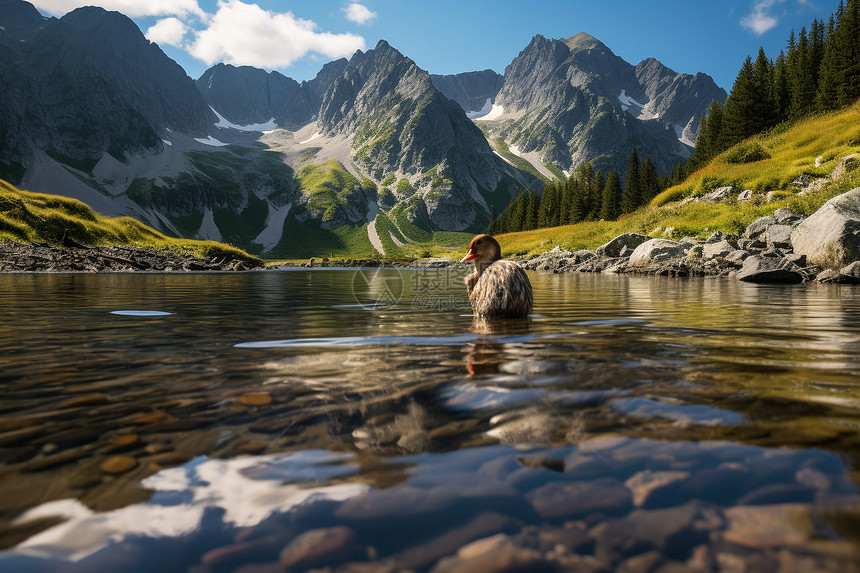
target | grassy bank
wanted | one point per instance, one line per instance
(765, 163)
(28, 217)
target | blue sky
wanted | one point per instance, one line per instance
(451, 36)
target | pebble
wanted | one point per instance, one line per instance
(498, 556)
(769, 525)
(569, 499)
(319, 547)
(449, 542)
(642, 563)
(125, 441)
(87, 400)
(154, 418)
(813, 478)
(646, 482)
(118, 464)
(253, 448)
(255, 399)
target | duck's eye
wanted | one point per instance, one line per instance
(479, 241)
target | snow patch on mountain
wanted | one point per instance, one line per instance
(270, 236)
(225, 123)
(495, 112)
(628, 101)
(208, 229)
(487, 108)
(311, 138)
(211, 141)
(372, 235)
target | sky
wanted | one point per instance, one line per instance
(296, 37)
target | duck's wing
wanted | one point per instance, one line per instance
(503, 289)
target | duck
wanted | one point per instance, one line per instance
(498, 288)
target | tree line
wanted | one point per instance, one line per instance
(587, 195)
(818, 71)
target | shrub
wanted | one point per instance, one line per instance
(747, 153)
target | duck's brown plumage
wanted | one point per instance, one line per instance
(497, 288)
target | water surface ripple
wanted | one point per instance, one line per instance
(363, 420)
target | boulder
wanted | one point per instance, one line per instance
(846, 275)
(786, 216)
(758, 269)
(843, 167)
(758, 227)
(720, 249)
(738, 256)
(830, 237)
(802, 181)
(852, 270)
(718, 195)
(614, 247)
(779, 235)
(745, 195)
(715, 237)
(656, 251)
(583, 255)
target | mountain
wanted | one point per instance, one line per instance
(86, 84)
(245, 95)
(399, 123)
(372, 155)
(567, 101)
(474, 91)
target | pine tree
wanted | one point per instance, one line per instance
(595, 197)
(849, 46)
(531, 213)
(632, 191)
(801, 77)
(517, 217)
(739, 120)
(648, 181)
(583, 186)
(780, 93)
(828, 74)
(492, 227)
(566, 201)
(709, 141)
(763, 109)
(610, 207)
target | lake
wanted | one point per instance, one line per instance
(362, 420)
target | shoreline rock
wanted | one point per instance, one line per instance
(772, 250)
(41, 258)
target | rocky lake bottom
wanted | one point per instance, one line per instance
(363, 420)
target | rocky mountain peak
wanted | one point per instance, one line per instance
(19, 19)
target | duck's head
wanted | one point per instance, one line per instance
(483, 250)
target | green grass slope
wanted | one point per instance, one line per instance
(28, 217)
(764, 163)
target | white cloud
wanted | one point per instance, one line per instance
(131, 8)
(245, 34)
(167, 32)
(760, 19)
(359, 14)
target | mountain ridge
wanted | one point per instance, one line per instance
(94, 107)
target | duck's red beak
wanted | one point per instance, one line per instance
(469, 256)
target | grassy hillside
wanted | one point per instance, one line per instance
(768, 162)
(38, 218)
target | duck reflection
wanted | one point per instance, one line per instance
(486, 356)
